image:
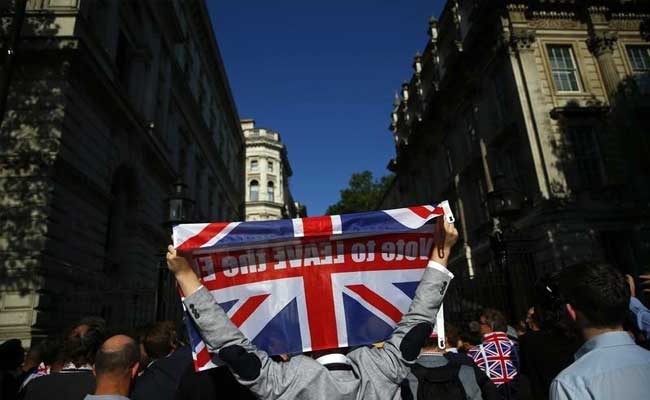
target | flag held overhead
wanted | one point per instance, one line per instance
(312, 283)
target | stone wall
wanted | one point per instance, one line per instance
(87, 160)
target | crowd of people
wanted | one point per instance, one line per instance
(586, 337)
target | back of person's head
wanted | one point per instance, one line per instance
(597, 292)
(431, 342)
(160, 339)
(83, 341)
(51, 350)
(117, 357)
(452, 335)
(11, 354)
(494, 319)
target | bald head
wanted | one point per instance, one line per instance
(117, 356)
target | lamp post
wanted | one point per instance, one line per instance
(504, 203)
(179, 210)
(180, 205)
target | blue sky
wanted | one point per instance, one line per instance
(324, 75)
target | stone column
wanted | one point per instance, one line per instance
(601, 45)
(533, 103)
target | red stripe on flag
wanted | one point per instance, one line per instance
(317, 226)
(421, 211)
(203, 237)
(424, 212)
(247, 309)
(320, 308)
(377, 301)
(202, 358)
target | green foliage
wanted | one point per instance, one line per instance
(362, 194)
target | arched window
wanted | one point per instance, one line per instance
(254, 191)
(270, 191)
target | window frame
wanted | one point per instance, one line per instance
(631, 46)
(255, 162)
(576, 68)
(586, 182)
(270, 191)
(254, 183)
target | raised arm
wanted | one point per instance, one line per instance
(252, 367)
(403, 347)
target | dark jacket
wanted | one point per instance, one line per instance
(161, 379)
(212, 384)
(64, 385)
(475, 383)
(543, 355)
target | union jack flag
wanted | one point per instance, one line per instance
(497, 356)
(311, 283)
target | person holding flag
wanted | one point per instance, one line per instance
(365, 373)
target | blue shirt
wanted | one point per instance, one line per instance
(608, 366)
(642, 315)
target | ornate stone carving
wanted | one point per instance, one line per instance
(555, 23)
(517, 12)
(601, 42)
(522, 40)
(621, 23)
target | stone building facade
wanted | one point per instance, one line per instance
(111, 102)
(520, 98)
(267, 176)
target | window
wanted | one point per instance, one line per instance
(270, 192)
(585, 149)
(640, 61)
(254, 166)
(563, 68)
(254, 193)
(269, 165)
(639, 58)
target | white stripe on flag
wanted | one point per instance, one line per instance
(225, 231)
(181, 233)
(337, 225)
(408, 218)
(297, 227)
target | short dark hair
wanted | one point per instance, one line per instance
(80, 345)
(51, 350)
(495, 319)
(11, 354)
(160, 339)
(597, 291)
(119, 361)
(452, 334)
